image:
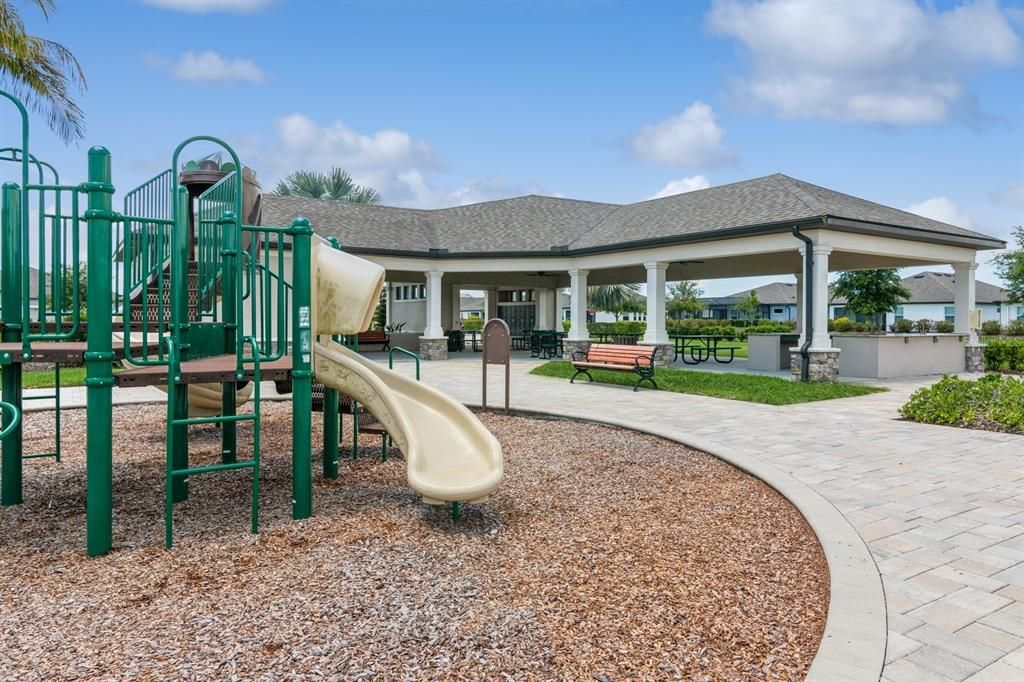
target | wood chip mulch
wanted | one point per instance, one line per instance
(605, 555)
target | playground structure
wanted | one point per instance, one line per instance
(187, 294)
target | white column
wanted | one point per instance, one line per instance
(963, 296)
(543, 305)
(434, 292)
(578, 305)
(800, 302)
(456, 305)
(820, 340)
(491, 309)
(656, 332)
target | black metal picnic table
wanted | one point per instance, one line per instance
(702, 347)
(547, 344)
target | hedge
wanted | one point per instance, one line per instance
(689, 327)
(995, 402)
(1004, 354)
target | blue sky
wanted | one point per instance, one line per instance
(908, 104)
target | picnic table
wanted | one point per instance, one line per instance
(612, 337)
(473, 338)
(697, 348)
(547, 344)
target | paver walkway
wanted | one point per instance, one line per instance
(942, 509)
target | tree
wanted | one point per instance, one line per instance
(336, 185)
(871, 292)
(68, 278)
(1010, 267)
(380, 313)
(749, 305)
(41, 72)
(615, 298)
(684, 297)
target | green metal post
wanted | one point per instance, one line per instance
(99, 377)
(10, 468)
(302, 374)
(229, 311)
(179, 331)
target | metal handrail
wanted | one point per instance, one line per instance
(15, 415)
(414, 356)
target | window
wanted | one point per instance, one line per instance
(899, 313)
(950, 313)
(1020, 312)
(838, 311)
(398, 293)
(566, 313)
(423, 291)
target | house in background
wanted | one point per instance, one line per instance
(472, 304)
(931, 298)
(776, 302)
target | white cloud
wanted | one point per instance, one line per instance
(871, 61)
(210, 68)
(1011, 196)
(401, 167)
(209, 6)
(692, 139)
(943, 210)
(682, 185)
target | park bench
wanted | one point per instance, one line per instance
(617, 358)
(374, 338)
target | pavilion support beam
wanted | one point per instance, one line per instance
(433, 343)
(578, 338)
(820, 340)
(544, 308)
(456, 305)
(491, 303)
(963, 296)
(822, 358)
(656, 333)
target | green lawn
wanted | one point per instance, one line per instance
(747, 387)
(69, 376)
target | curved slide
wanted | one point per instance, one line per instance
(450, 456)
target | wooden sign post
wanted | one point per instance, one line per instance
(497, 351)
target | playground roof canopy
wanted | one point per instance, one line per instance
(539, 225)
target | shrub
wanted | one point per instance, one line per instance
(842, 324)
(566, 325)
(472, 324)
(994, 402)
(1015, 328)
(944, 327)
(991, 328)
(923, 326)
(1004, 354)
(903, 326)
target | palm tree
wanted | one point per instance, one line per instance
(336, 185)
(41, 72)
(614, 298)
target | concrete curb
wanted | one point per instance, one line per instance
(854, 642)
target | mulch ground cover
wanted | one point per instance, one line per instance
(606, 554)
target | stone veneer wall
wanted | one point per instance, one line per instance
(824, 364)
(569, 347)
(433, 349)
(666, 351)
(975, 357)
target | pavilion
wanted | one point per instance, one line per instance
(749, 228)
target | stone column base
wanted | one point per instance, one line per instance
(823, 364)
(665, 353)
(974, 360)
(573, 346)
(433, 349)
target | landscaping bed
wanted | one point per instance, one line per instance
(605, 554)
(734, 386)
(993, 403)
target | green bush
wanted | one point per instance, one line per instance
(991, 328)
(903, 326)
(472, 324)
(944, 327)
(923, 326)
(842, 324)
(994, 402)
(1004, 354)
(1015, 328)
(621, 327)
(566, 325)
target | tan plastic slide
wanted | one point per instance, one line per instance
(450, 456)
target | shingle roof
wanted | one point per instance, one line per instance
(773, 293)
(938, 287)
(542, 225)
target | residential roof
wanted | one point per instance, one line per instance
(773, 293)
(938, 287)
(555, 226)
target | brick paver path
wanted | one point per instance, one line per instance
(941, 509)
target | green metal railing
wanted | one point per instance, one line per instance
(266, 288)
(144, 251)
(217, 236)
